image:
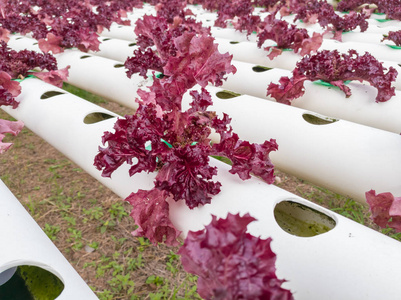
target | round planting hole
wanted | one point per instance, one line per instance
(50, 94)
(96, 117)
(301, 220)
(260, 69)
(132, 45)
(316, 119)
(234, 42)
(30, 283)
(85, 56)
(227, 94)
(118, 66)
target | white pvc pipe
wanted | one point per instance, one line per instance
(116, 49)
(24, 243)
(120, 32)
(98, 75)
(322, 266)
(351, 36)
(330, 266)
(380, 52)
(378, 24)
(360, 107)
(344, 157)
(67, 112)
(101, 76)
(250, 113)
(354, 183)
(249, 52)
(349, 143)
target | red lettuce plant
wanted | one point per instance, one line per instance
(394, 36)
(230, 263)
(13, 127)
(238, 12)
(287, 37)
(172, 9)
(385, 209)
(183, 170)
(392, 8)
(58, 25)
(179, 140)
(335, 68)
(323, 13)
(20, 64)
(347, 5)
(158, 33)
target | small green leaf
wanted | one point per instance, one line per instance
(393, 47)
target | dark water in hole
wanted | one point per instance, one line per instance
(15, 289)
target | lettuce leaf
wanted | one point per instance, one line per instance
(13, 127)
(230, 263)
(385, 209)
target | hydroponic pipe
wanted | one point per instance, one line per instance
(363, 177)
(360, 107)
(249, 52)
(23, 243)
(332, 265)
(101, 77)
(116, 49)
(77, 117)
(303, 170)
(345, 157)
(244, 50)
(98, 75)
(349, 36)
(319, 148)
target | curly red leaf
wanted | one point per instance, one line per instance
(230, 263)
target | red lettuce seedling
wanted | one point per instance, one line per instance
(335, 68)
(230, 263)
(238, 12)
(151, 215)
(4, 35)
(323, 13)
(348, 5)
(156, 31)
(9, 89)
(58, 25)
(287, 37)
(385, 209)
(394, 36)
(18, 65)
(163, 138)
(392, 8)
(172, 9)
(183, 170)
(13, 127)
